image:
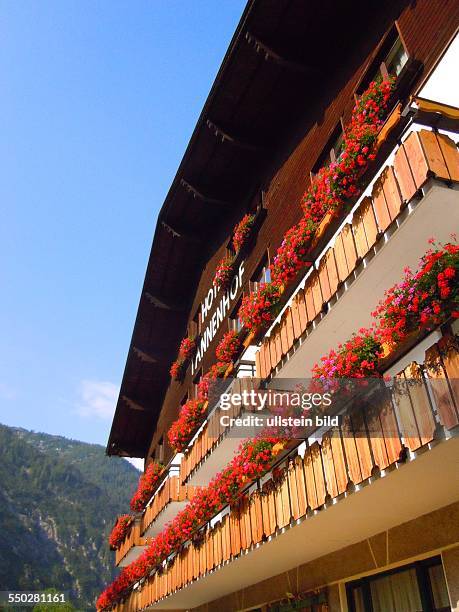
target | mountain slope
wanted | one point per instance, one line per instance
(58, 501)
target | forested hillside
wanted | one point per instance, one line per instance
(58, 501)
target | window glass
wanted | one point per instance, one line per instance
(357, 595)
(439, 589)
(396, 593)
(419, 587)
(262, 274)
(234, 322)
(396, 58)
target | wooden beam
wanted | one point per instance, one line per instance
(200, 196)
(269, 54)
(133, 405)
(225, 137)
(144, 356)
(157, 303)
(178, 233)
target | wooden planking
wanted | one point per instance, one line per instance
(340, 258)
(302, 310)
(256, 518)
(339, 461)
(420, 402)
(441, 367)
(351, 452)
(258, 367)
(296, 322)
(450, 155)
(377, 442)
(416, 159)
(404, 175)
(323, 280)
(369, 222)
(391, 192)
(289, 327)
(283, 335)
(380, 205)
(316, 292)
(349, 247)
(311, 492)
(433, 154)
(329, 467)
(359, 233)
(390, 431)
(332, 271)
(316, 458)
(406, 417)
(278, 343)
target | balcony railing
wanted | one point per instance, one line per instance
(166, 503)
(201, 461)
(423, 154)
(132, 545)
(324, 470)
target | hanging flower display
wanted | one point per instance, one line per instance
(228, 347)
(291, 256)
(340, 180)
(224, 273)
(258, 309)
(178, 369)
(332, 186)
(203, 387)
(252, 461)
(187, 348)
(182, 429)
(356, 358)
(148, 482)
(242, 232)
(423, 299)
(120, 530)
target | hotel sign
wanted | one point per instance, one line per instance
(214, 322)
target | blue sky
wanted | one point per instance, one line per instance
(98, 100)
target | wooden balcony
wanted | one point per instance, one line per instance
(132, 545)
(424, 158)
(334, 490)
(166, 503)
(412, 196)
(214, 446)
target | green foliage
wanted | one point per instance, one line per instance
(58, 502)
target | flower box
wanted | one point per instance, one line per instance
(323, 226)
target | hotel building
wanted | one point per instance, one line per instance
(363, 518)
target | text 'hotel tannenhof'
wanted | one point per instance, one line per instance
(292, 382)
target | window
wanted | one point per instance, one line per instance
(196, 326)
(262, 274)
(230, 252)
(390, 60)
(396, 58)
(197, 377)
(332, 150)
(420, 586)
(159, 450)
(234, 322)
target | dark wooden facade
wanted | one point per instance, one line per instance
(288, 79)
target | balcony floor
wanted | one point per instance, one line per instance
(165, 516)
(133, 554)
